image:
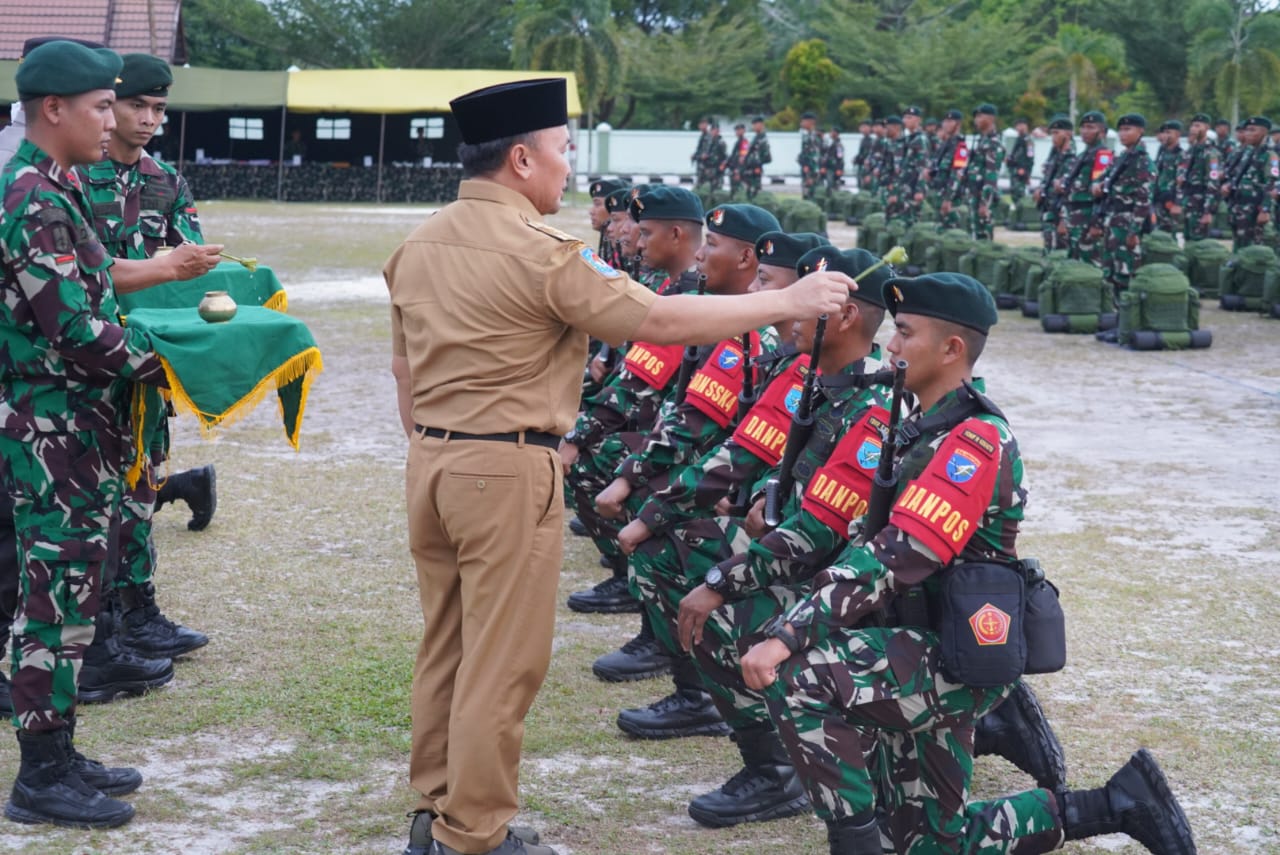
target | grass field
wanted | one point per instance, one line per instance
(1154, 482)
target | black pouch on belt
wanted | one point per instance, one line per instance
(1045, 626)
(980, 624)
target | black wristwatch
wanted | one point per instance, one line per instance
(716, 581)
(777, 628)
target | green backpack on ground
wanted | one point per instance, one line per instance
(1037, 270)
(1271, 298)
(839, 205)
(1162, 248)
(1075, 298)
(955, 243)
(988, 262)
(1160, 311)
(869, 231)
(1242, 280)
(1204, 258)
(1020, 260)
(1221, 225)
(804, 216)
(923, 236)
(864, 205)
(1024, 216)
(894, 234)
(768, 201)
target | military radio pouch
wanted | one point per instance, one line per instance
(997, 622)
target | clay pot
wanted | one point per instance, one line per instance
(216, 307)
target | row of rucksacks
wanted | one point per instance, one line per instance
(793, 213)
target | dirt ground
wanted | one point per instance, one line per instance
(1154, 483)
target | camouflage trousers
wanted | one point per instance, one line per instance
(1165, 220)
(753, 178)
(1193, 211)
(982, 226)
(1245, 228)
(710, 178)
(591, 473)
(737, 181)
(1049, 230)
(1119, 262)
(953, 220)
(1018, 188)
(137, 507)
(809, 185)
(66, 491)
(868, 716)
(906, 210)
(667, 567)
(1079, 245)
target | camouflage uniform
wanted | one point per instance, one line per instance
(1169, 165)
(867, 714)
(1077, 195)
(1056, 166)
(757, 157)
(699, 156)
(717, 160)
(888, 157)
(1199, 177)
(810, 160)
(942, 172)
(908, 178)
(739, 167)
(1021, 159)
(64, 393)
(954, 189)
(1122, 212)
(1251, 179)
(833, 166)
(978, 185)
(137, 209)
(860, 160)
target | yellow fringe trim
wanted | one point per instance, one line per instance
(278, 301)
(304, 366)
(138, 411)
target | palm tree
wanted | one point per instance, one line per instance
(1074, 57)
(1234, 53)
(578, 36)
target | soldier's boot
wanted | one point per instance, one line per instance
(144, 628)
(612, 596)
(688, 711)
(854, 836)
(511, 846)
(578, 528)
(421, 838)
(198, 488)
(639, 659)
(49, 790)
(765, 788)
(6, 696)
(108, 780)
(1136, 801)
(1018, 731)
(110, 668)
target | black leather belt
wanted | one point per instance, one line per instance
(531, 437)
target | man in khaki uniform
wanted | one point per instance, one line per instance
(491, 310)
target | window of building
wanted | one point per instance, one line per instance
(333, 129)
(244, 128)
(434, 126)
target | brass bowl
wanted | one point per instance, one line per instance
(217, 307)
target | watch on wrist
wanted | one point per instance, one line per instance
(777, 628)
(716, 581)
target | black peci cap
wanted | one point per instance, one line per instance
(509, 109)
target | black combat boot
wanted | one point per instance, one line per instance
(110, 668)
(639, 659)
(110, 781)
(688, 711)
(766, 787)
(6, 696)
(1136, 801)
(854, 836)
(49, 790)
(198, 488)
(1018, 731)
(148, 631)
(577, 528)
(420, 837)
(612, 596)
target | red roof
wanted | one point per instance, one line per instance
(125, 26)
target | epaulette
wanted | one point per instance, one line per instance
(549, 231)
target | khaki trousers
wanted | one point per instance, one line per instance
(486, 533)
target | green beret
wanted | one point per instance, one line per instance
(1202, 117)
(893, 120)
(877, 121)
(808, 114)
(985, 110)
(742, 222)
(663, 202)
(31, 44)
(912, 111)
(602, 187)
(1022, 120)
(66, 68)
(144, 74)
(1094, 117)
(1258, 122)
(758, 119)
(1172, 125)
(619, 201)
(779, 249)
(1132, 120)
(1242, 124)
(930, 120)
(1226, 122)
(954, 114)
(1060, 122)
(950, 297)
(740, 127)
(851, 262)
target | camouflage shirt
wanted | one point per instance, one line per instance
(907, 551)
(1057, 165)
(1200, 173)
(982, 171)
(759, 153)
(1021, 158)
(1253, 174)
(909, 170)
(63, 355)
(1168, 166)
(1126, 189)
(810, 152)
(141, 207)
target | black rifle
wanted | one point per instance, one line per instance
(884, 486)
(746, 400)
(690, 361)
(778, 489)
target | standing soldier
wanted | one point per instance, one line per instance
(1076, 188)
(1048, 195)
(1169, 162)
(982, 172)
(699, 155)
(736, 162)
(1199, 179)
(833, 162)
(864, 149)
(758, 156)
(1226, 143)
(810, 157)
(931, 135)
(1123, 204)
(717, 158)
(1248, 186)
(909, 171)
(870, 180)
(65, 371)
(949, 157)
(889, 154)
(1022, 157)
